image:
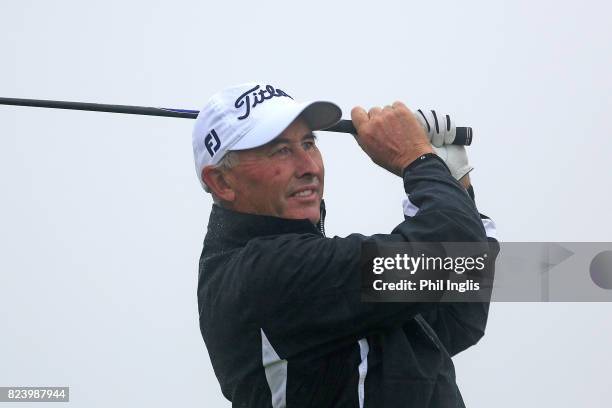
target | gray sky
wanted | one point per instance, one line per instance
(103, 218)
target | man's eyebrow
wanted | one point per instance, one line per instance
(280, 140)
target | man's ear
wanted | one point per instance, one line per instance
(218, 184)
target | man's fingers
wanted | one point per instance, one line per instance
(402, 111)
(400, 105)
(359, 116)
(390, 136)
(437, 139)
(374, 112)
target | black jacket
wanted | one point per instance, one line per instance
(281, 315)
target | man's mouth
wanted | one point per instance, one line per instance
(306, 192)
(303, 193)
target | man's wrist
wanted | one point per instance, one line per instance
(416, 154)
(421, 159)
(465, 181)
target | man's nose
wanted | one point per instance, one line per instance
(306, 164)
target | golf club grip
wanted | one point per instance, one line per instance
(463, 135)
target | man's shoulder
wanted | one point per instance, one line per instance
(258, 252)
(280, 256)
(280, 241)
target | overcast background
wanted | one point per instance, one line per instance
(102, 217)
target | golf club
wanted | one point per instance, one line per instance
(463, 135)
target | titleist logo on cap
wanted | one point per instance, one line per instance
(258, 97)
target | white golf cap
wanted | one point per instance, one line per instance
(250, 115)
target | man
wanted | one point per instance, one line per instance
(279, 303)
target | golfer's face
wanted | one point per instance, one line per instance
(283, 178)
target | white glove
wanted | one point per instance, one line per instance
(441, 131)
(439, 127)
(455, 158)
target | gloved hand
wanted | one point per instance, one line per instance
(440, 130)
(439, 127)
(455, 158)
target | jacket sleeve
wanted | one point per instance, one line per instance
(306, 289)
(461, 325)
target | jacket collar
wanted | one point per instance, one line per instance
(228, 228)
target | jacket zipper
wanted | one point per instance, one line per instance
(322, 219)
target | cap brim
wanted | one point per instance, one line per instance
(318, 115)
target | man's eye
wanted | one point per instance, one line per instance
(309, 145)
(283, 151)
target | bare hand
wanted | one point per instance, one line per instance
(392, 137)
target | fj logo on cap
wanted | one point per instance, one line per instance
(208, 142)
(258, 97)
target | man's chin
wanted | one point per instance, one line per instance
(310, 212)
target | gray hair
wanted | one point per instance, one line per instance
(229, 160)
